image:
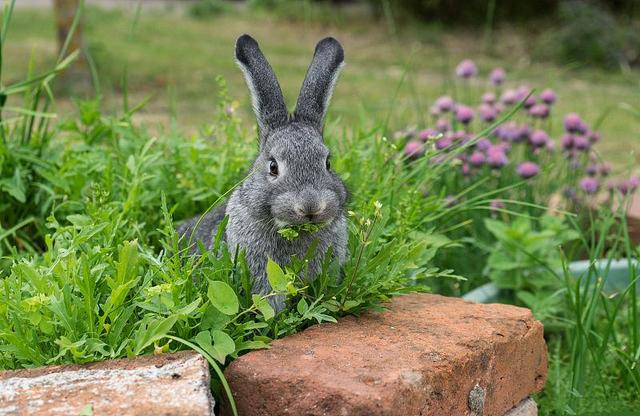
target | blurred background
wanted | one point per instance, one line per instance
(401, 55)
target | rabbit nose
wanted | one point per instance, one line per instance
(309, 205)
(307, 210)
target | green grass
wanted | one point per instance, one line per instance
(174, 59)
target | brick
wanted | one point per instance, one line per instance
(426, 355)
(167, 384)
(527, 407)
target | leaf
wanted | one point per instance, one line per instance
(127, 262)
(14, 186)
(214, 319)
(222, 297)
(276, 276)
(302, 306)
(152, 331)
(251, 345)
(263, 306)
(216, 343)
(223, 344)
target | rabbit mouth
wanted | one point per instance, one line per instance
(319, 222)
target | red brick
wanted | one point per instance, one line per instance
(426, 355)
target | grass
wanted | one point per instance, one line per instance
(174, 59)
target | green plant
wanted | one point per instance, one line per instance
(590, 34)
(594, 358)
(524, 257)
(209, 8)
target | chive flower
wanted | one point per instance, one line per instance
(528, 170)
(589, 185)
(466, 69)
(548, 96)
(496, 157)
(413, 150)
(464, 114)
(497, 76)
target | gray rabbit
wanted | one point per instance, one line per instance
(291, 181)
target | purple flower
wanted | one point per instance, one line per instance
(629, 186)
(466, 69)
(444, 103)
(551, 145)
(460, 136)
(594, 136)
(548, 96)
(589, 185)
(509, 97)
(466, 170)
(522, 92)
(507, 131)
(574, 124)
(567, 142)
(444, 142)
(529, 102)
(413, 150)
(496, 205)
(483, 144)
(523, 132)
(443, 125)
(496, 157)
(427, 134)
(477, 159)
(604, 169)
(528, 170)
(539, 111)
(538, 138)
(497, 76)
(464, 114)
(488, 98)
(592, 170)
(487, 112)
(581, 143)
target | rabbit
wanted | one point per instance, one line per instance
(291, 181)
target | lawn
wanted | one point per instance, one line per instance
(389, 78)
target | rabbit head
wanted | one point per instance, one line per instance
(291, 181)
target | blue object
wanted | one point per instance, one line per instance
(617, 279)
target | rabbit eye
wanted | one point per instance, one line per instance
(273, 167)
(328, 163)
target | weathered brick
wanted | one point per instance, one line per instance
(426, 355)
(167, 384)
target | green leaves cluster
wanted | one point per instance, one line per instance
(292, 232)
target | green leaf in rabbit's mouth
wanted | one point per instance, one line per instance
(292, 232)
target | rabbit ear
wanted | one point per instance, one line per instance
(319, 82)
(266, 95)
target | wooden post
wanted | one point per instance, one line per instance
(76, 78)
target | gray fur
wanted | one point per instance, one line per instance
(304, 189)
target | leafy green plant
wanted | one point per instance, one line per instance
(524, 257)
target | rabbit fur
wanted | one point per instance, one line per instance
(290, 182)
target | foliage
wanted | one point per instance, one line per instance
(595, 332)
(590, 34)
(209, 8)
(91, 267)
(523, 259)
